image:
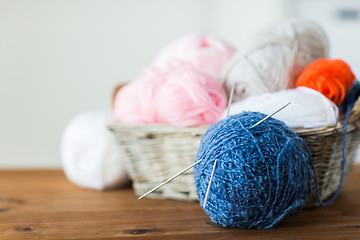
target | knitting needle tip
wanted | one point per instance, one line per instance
(209, 185)
(268, 116)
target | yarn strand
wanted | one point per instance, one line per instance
(323, 204)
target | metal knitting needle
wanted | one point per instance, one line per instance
(270, 115)
(230, 99)
(192, 165)
(213, 170)
(208, 189)
(170, 179)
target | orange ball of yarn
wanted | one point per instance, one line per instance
(332, 78)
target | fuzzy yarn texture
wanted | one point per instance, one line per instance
(308, 108)
(273, 59)
(262, 175)
(177, 94)
(90, 155)
(332, 78)
(205, 52)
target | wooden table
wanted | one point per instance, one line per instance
(45, 205)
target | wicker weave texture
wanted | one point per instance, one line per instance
(326, 147)
(154, 153)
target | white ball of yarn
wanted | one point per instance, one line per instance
(273, 59)
(308, 108)
(89, 152)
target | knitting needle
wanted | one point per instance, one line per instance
(212, 173)
(213, 170)
(262, 120)
(230, 99)
(270, 115)
(181, 172)
(208, 189)
(170, 179)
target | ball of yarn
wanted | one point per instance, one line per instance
(135, 102)
(308, 108)
(273, 59)
(90, 156)
(205, 52)
(351, 97)
(262, 174)
(177, 94)
(332, 78)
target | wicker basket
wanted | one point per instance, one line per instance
(156, 152)
(326, 146)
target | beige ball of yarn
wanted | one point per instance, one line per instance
(273, 59)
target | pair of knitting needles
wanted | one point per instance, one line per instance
(213, 170)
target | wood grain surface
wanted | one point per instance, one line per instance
(45, 205)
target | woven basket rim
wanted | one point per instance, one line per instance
(156, 128)
(168, 128)
(318, 130)
(161, 128)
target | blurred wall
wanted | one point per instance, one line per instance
(341, 21)
(62, 57)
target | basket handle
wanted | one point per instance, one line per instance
(115, 91)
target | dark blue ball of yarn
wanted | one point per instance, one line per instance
(262, 175)
(350, 98)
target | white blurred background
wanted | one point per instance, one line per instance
(62, 57)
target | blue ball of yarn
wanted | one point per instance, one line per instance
(350, 98)
(262, 174)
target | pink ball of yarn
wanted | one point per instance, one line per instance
(177, 94)
(207, 53)
(134, 103)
